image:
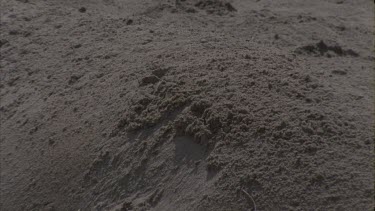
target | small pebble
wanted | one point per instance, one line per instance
(129, 22)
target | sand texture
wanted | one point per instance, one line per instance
(187, 105)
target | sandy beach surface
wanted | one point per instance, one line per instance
(205, 105)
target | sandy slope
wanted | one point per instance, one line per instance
(183, 105)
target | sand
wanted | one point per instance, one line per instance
(187, 105)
